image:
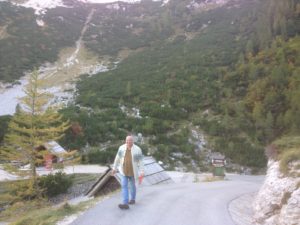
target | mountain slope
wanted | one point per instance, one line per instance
(209, 65)
(199, 80)
(26, 45)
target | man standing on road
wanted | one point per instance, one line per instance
(129, 162)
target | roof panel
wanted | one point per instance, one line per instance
(154, 174)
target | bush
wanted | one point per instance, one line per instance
(288, 150)
(54, 184)
(289, 156)
(102, 157)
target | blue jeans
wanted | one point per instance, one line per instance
(125, 181)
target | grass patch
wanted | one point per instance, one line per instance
(50, 215)
(80, 178)
(21, 209)
(292, 155)
(64, 73)
(39, 213)
(287, 142)
(212, 178)
(288, 151)
(28, 207)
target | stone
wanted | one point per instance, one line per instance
(278, 201)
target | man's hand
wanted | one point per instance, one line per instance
(141, 177)
(113, 172)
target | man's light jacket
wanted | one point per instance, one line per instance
(137, 160)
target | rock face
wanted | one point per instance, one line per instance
(278, 201)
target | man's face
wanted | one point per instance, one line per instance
(129, 142)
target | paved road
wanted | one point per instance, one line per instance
(202, 203)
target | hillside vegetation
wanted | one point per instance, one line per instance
(244, 79)
(231, 71)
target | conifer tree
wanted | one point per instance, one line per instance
(34, 125)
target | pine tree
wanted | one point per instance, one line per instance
(269, 127)
(128, 89)
(31, 127)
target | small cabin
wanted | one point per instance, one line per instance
(54, 155)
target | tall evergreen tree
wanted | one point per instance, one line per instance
(31, 127)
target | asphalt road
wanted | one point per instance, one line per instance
(188, 203)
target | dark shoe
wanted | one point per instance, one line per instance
(132, 202)
(123, 206)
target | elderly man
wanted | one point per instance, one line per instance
(129, 162)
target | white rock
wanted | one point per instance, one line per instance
(278, 201)
(290, 213)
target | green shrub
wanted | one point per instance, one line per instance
(288, 157)
(287, 142)
(54, 184)
(101, 157)
(288, 150)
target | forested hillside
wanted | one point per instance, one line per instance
(25, 45)
(236, 79)
(232, 71)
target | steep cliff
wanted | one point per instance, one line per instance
(278, 201)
